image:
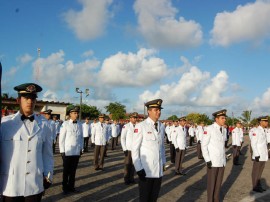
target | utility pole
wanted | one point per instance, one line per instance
(87, 92)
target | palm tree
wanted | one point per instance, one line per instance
(246, 117)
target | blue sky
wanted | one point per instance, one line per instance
(198, 56)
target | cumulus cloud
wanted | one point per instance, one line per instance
(247, 23)
(194, 88)
(90, 22)
(24, 59)
(158, 25)
(88, 53)
(139, 69)
(262, 103)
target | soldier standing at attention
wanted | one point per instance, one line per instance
(26, 150)
(126, 142)
(71, 146)
(213, 149)
(259, 153)
(86, 134)
(99, 138)
(236, 142)
(148, 152)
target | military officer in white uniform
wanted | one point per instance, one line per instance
(213, 149)
(115, 131)
(126, 142)
(47, 114)
(71, 146)
(172, 142)
(57, 126)
(86, 134)
(199, 136)
(99, 138)
(180, 146)
(26, 150)
(148, 152)
(260, 153)
(237, 135)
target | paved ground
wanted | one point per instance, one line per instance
(108, 185)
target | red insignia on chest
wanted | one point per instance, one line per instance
(205, 132)
(254, 134)
(136, 130)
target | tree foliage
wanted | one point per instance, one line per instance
(197, 118)
(172, 118)
(246, 117)
(117, 110)
(231, 121)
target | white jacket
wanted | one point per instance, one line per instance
(168, 132)
(199, 133)
(191, 131)
(127, 136)
(25, 157)
(237, 136)
(115, 130)
(213, 148)
(99, 134)
(259, 144)
(148, 150)
(180, 138)
(86, 130)
(71, 138)
(173, 133)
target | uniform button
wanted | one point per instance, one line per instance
(28, 161)
(29, 150)
(27, 173)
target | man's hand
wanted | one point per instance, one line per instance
(177, 150)
(257, 158)
(46, 183)
(142, 175)
(209, 164)
(126, 152)
(199, 142)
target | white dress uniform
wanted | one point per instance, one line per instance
(26, 155)
(237, 136)
(173, 134)
(191, 131)
(180, 138)
(71, 138)
(115, 130)
(99, 134)
(168, 132)
(148, 150)
(213, 139)
(199, 133)
(127, 136)
(259, 144)
(86, 130)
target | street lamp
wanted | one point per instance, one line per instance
(87, 92)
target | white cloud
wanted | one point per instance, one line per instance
(247, 23)
(90, 22)
(88, 53)
(50, 96)
(24, 59)
(194, 88)
(139, 69)
(262, 103)
(158, 24)
(212, 94)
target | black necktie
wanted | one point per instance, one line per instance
(102, 125)
(31, 118)
(74, 121)
(156, 124)
(220, 129)
(134, 125)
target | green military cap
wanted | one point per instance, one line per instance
(263, 118)
(134, 115)
(28, 90)
(74, 109)
(154, 104)
(184, 118)
(220, 113)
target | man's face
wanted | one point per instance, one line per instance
(133, 120)
(73, 115)
(220, 120)
(101, 120)
(47, 116)
(86, 121)
(182, 122)
(264, 124)
(27, 105)
(154, 113)
(238, 125)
